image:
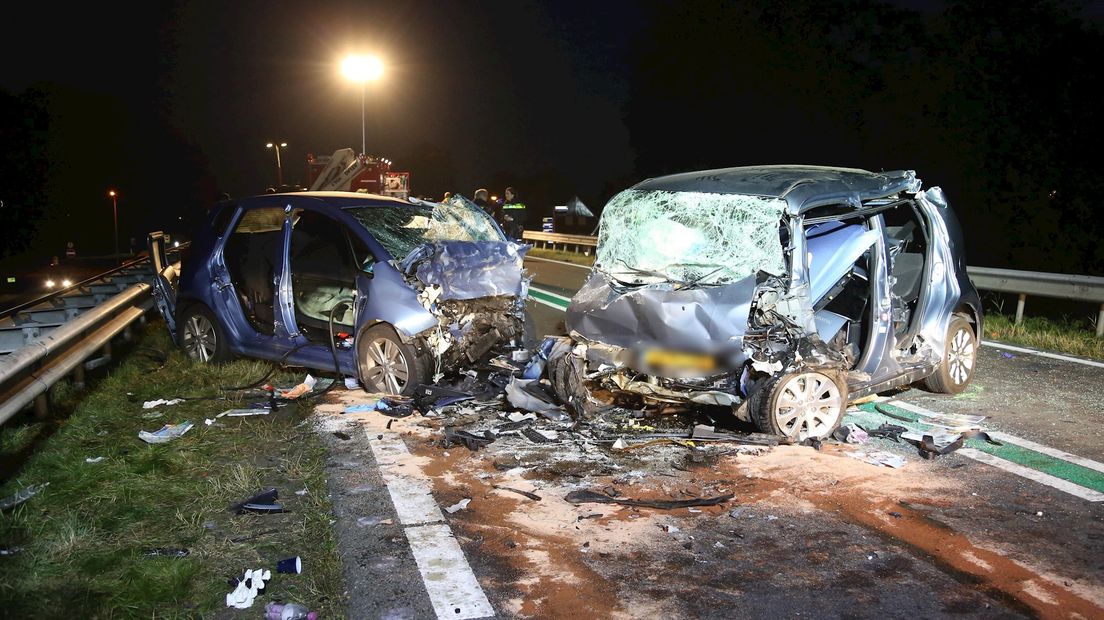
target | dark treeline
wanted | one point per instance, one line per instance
(992, 101)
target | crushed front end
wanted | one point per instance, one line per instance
(690, 304)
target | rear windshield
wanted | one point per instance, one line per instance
(400, 229)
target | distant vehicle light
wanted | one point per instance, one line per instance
(49, 284)
(67, 282)
(176, 244)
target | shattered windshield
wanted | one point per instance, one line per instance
(689, 237)
(401, 228)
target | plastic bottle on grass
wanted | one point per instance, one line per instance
(288, 611)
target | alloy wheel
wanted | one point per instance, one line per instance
(960, 356)
(807, 405)
(385, 366)
(200, 339)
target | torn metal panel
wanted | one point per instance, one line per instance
(469, 269)
(660, 316)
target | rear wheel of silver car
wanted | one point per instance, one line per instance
(959, 359)
(800, 406)
(202, 337)
(387, 364)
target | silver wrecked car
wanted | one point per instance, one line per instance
(779, 291)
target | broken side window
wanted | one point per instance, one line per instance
(689, 237)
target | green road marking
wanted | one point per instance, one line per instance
(871, 418)
(1070, 472)
(545, 297)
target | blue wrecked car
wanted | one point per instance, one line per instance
(782, 292)
(395, 292)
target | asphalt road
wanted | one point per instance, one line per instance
(1015, 530)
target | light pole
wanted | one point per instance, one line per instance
(362, 69)
(115, 210)
(279, 168)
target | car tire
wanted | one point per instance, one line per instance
(956, 369)
(566, 372)
(201, 336)
(387, 364)
(800, 405)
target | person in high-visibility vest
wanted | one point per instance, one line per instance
(513, 214)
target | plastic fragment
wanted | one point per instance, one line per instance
(22, 495)
(150, 404)
(166, 433)
(247, 588)
(458, 506)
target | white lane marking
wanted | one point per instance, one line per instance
(1015, 468)
(1031, 474)
(550, 294)
(561, 262)
(449, 581)
(1065, 358)
(1056, 453)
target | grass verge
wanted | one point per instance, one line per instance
(577, 258)
(80, 548)
(1075, 337)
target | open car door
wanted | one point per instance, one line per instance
(164, 281)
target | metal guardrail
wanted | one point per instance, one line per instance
(574, 241)
(1056, 285)
(79, 332)
(1023, 283)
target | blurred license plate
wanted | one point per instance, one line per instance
(676, 359)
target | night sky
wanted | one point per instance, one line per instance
(173, 104)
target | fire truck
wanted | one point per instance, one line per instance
(345, 171)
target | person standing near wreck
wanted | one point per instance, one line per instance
(482, 201)
(513, 214)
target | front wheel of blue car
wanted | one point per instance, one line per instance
(387, 364)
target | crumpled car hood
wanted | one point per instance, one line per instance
(704, 319)
(469, 269)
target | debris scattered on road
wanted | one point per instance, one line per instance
(583, 497)
(351, 383)
(93, 460)
(1007, 355)
(887, 431)
(150, 404)
(306, 386)
(291, 566)
(392, 407)
(153, 415)
(529, 394)
(702, 432)
(22, 495)
(532, 496)
(472, 441)
(937, 444)
(886, 459)
(851, 433)
(238, 413)
(247, 587)
(166, 433)
(289, 611)
(263, 502)
(428, 397)
(458, 506)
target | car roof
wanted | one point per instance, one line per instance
(802, 187)
(324, 201)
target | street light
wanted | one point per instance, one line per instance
(115, 210)
(362, 69)
(279, 168)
